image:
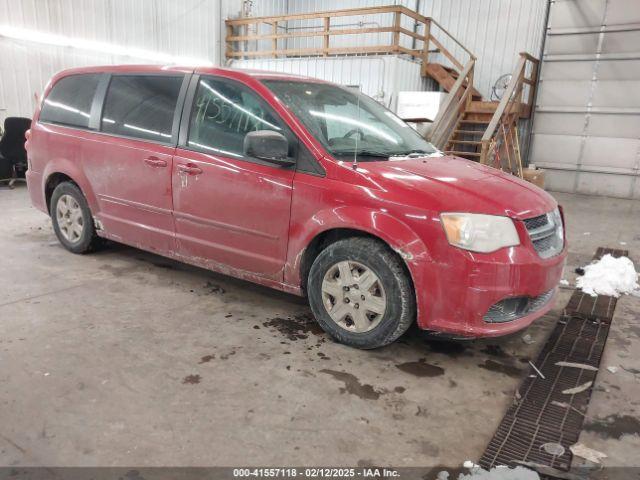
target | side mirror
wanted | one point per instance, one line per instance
(268, 145)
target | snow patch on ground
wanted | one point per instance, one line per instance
(609, 276)
(496, 473)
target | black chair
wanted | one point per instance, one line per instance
(13, 156)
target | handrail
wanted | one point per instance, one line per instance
(449, 113)
(346, 12)
(509, 110)
(471, 55)
(506, 101)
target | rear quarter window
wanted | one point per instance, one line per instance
(69, 101)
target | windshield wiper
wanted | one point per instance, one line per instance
(409, 153)
(364, 153)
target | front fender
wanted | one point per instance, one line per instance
(399, 236)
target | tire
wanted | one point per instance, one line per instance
(79, 235)
(393, 288)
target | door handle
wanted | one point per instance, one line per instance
(189, 169)
(155, 162)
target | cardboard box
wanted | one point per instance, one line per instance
(534, 176)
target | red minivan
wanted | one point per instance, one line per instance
(300, 185)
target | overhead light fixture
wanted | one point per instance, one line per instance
(35, 36)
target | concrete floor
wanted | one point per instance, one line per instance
(124, 358)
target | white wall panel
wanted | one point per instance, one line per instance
(185, 28)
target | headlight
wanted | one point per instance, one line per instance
(556, 219)
(479, 233)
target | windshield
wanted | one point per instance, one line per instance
(348, 123)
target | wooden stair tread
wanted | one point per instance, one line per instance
(474, 122)
(482, 107)
(462, 154)
(465, 142)
(445, 79)
(469, 132)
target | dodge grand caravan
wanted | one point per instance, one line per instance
(300, 185)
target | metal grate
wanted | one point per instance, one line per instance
(536, 222)
(513, 308)
(541, 413)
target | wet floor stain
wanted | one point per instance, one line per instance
(227, 355)
(211, 288)
(451, 348)
(614, 426)
(191, 379)
(495, 351)
(421, 368)
(353, 386)
(500, 367)
(133, 475)
(119, 271)
(160, 263)
(297, 327)
(207, 358)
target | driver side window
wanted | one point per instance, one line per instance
(223, 113)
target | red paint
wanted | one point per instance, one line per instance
(255, 221)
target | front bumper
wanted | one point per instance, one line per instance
(468, 284)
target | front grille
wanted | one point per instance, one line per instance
(513, 308)
(536, 222)
(546, 233)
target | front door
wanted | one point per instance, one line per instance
(129, 164)
(230, 210)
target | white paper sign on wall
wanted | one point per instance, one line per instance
(414, 105)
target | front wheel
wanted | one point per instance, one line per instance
(360, 293)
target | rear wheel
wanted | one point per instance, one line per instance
(360, 293)
(72, 219)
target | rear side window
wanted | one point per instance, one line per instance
(223, 113)
(141, 106)
(69, 101)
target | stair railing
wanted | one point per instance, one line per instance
(453, 108)
(499, 144)
(397, 30)
(256, 37)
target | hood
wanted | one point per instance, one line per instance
(455, 184)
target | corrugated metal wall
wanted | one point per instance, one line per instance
(185, 28)
(587, 123)
(494, 30)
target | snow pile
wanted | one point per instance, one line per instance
(500, 473)
(497, 473)
(609, 276)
